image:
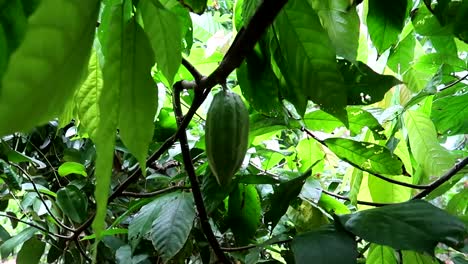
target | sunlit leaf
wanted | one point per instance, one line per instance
(342, 24)
(379, 254)
(450, 114)
(47, 66)
(366, 156)
(69, 167)
(87, 97)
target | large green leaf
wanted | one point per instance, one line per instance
(379, 254)
(402, 55)
(363, 85)
(4, 55)
(47, 66)
(87, 97)
(172, 225)
(165, 34)
(425, 23)
(73, 202)
(366, 156)
(31, 251)
(425, 147)
(385, 20)
(415, 257)
(143, 220)
(138, 96)
(244, 213)
(283, 194)
(327, 245)
(109, 109)
(342, 24)
(259, 84)
(310, 62)
(8, 246)
(358, 119)
(308, 152)
(414, 225)
(450, 114)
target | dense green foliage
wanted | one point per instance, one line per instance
(358, 123)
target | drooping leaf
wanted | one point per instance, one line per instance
(164, 31)
(310, 63)
(342, 24)
(8, 246)
(385, 21)
(108, 109)
(366, 156)
(414, 225)
(450, 114)
(244, 213)
(70, 167)
(172, 225)
(283, 194)
(363, 85)
(138, 96)
(47, 66)
(31, 251)
(379, 254)
(259, 84)
(358, 119)
(73, 203)
(213, 195)
(322, 246)
(87, 97)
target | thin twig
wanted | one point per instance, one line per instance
(25, 173)
(197, 195)
(454, 83)
(444, 178)
(46, 160)
(358, 201)
(234, 249)
(35, 226)
(408, 185)
(155, 193)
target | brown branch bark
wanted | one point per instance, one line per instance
(196, 191)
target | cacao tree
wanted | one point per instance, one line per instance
(233, 131)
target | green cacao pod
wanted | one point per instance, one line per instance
(226, 135)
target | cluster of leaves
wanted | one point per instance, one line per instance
(353, 105)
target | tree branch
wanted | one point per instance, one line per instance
(197, 76)
(358, 201)
(234, 249)
(454, 83)
(197, 195)
(444, 178)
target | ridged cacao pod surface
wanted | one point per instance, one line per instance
(226, 135)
